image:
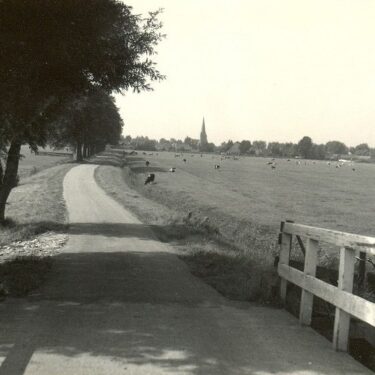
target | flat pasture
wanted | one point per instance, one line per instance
(31, 163)
(246, 199)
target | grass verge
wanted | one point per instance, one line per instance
(34, 207)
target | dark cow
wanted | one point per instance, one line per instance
(150, 178)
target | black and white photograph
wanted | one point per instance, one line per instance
(187, 187)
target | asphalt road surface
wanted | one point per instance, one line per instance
(120, 302)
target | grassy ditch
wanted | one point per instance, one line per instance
(36, 209)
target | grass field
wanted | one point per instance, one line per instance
(245, 200)
(31, 163)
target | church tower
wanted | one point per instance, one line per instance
(203, 139)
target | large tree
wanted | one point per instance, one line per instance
(305, 147)
(259, 147)
(362, 149)
(245, 146)
(336, 147)
(53, 49)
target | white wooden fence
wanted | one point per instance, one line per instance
(347, 304)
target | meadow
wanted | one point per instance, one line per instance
(30, 163)
(245, 200)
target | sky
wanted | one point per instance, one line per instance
(275, 70)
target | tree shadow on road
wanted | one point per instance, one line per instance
(126, 230)
(139, 311)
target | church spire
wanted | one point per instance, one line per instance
(203, 139)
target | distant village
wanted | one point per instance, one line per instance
(305, 148)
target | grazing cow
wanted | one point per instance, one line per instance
(173, 169)
(150, 178)
(217, 166)
(273, 166)
(184, 160)
(270, 163)
(147, 163)
(353, 169)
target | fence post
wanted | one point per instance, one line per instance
(286, 245)
(307, 299)
(345, 282)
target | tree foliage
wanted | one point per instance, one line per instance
(259, 147)
(336, 147)
(51, 50)
(362, 149)
(305, 147)
(87, 123)
(245, 146)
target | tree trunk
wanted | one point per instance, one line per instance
(10, 176)
(1, 171)
(79, 156)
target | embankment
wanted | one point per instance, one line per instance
(234, 256)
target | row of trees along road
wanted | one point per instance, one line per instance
(88, 123)
(58, 60)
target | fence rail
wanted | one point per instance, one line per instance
(347, 304)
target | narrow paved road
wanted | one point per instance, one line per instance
(120, 302)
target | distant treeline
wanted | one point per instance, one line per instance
(305, 148)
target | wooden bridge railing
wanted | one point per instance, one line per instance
(346, 303)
